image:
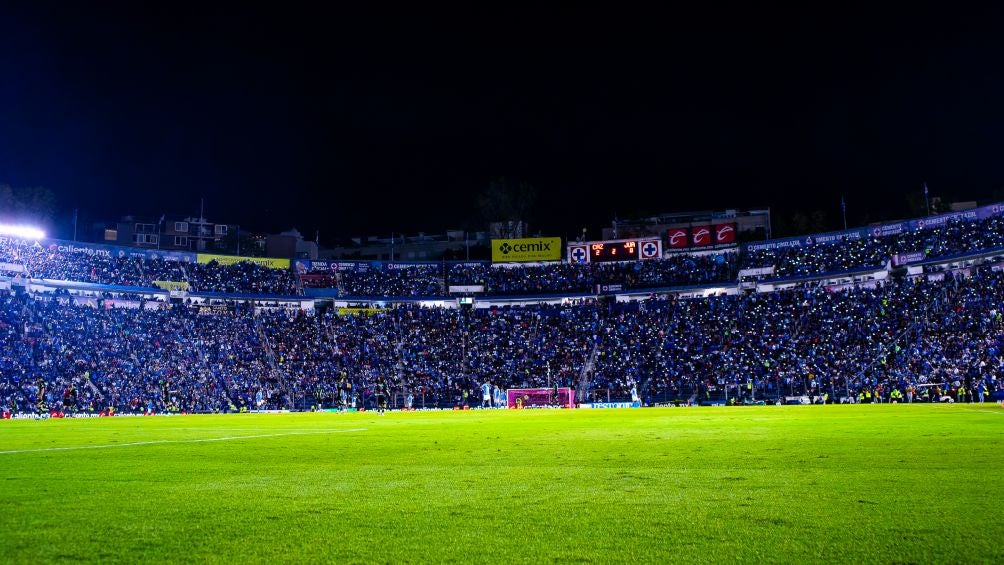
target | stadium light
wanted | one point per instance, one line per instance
(26, 232)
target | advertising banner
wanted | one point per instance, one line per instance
(426, 266)
(211, 309)
(92, 249)
(329, 266)
(605, 288)
(526, 249)
(649, 248)
(610, 405)
(725, 233)
(837, 237)
(357, 311)
(907, 258)
(96, 249)
(61, 247)
(700, 236)
(975, 214)
(269, 262)
(756, 272)
(466, 288)
(171, 285)
(333, 266)
(183, 256)
(677, 237)
(883, 230)
(829, 238)
(578, 253)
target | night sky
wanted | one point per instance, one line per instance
(363, 124)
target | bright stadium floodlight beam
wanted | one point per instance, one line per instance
(26, 232)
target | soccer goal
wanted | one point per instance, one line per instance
(539, 397)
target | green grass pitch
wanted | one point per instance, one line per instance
(846, 484)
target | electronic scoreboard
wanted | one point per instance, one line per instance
(615, 250)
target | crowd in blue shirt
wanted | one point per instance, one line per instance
(17, 258)
(955, 237)
(933, 339)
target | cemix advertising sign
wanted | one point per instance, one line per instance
(526, 249)
(269, 262)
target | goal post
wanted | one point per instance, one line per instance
(539, 397)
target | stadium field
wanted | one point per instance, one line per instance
(884, 483)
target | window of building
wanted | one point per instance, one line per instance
(221, 229)
(181, 240)
(145, 238)
(181, 227)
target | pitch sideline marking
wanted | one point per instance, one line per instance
(981, 410)
(160, 441)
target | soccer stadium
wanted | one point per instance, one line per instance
(500, 288)
(836, 383)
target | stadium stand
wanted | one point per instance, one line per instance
(930, 335)
(863, 342)
(45, 262)
(681, 270)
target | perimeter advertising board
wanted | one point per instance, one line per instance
(526, 249)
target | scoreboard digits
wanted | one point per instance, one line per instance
(609, 251)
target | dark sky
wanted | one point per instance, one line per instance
(353, 123)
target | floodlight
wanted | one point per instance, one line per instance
(26, 232)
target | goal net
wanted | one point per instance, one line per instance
(539, 397)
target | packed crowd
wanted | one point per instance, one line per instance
(510, 279)
(955, 237)
(72, 358)
(241, 278)
(952, 238)
(915, 338)
(820, 259)
(673, 271)
(48, 262)
(411, 281)
(900, 340)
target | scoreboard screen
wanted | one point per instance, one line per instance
(610, 251)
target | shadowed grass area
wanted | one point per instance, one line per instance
(815, 483)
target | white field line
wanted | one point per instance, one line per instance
(315, 430)
(161, 441)
(981, 410)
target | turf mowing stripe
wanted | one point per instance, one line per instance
(156, 442)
